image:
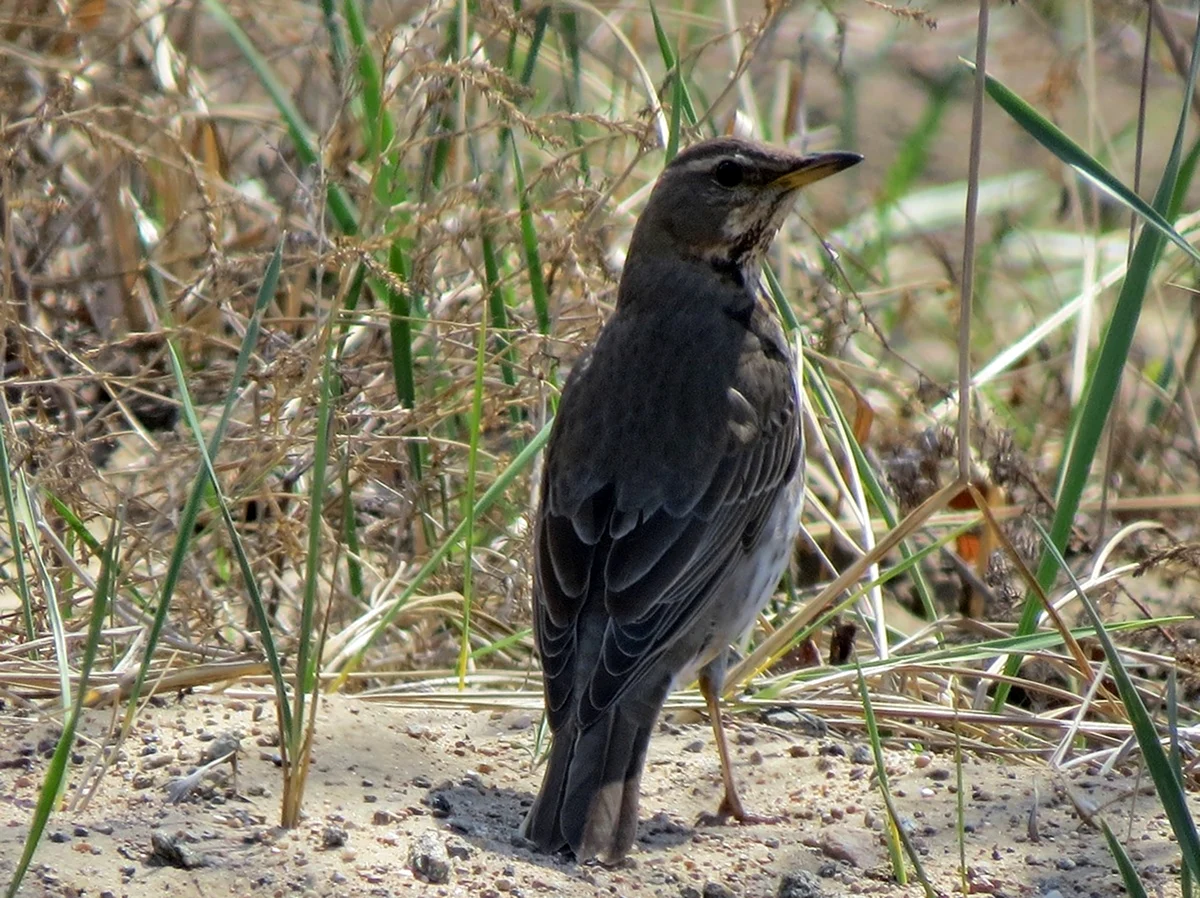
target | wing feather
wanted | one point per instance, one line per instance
(617, 581)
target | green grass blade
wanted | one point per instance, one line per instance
(350, 302)
(1187, 173)
(956, 656)
(14, 528)
(376, 121)
(1168, 782)
(572, 75)
(441, 125)
(339, 203)
(499, 486)
(790, 321)
(497, 295)
(529, 241)
(207, 482)
(300, 726)
(1175, 756)
(400, 326)
(27, 503)
(897, 836)
(191, 509)
(337, 42)
(354, 568)
(535, 44)
(894, 825)
(1100, 391)
(56, 772)
(1129, 874)
(77, 528)
(497, 308)
(476, 425)
(502, 644)
(682, 98)
(676, 106)
(960, 807)
(1057, 142)
(307, 659)
(379, 132)
(401, 309)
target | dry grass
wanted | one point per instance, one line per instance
(138, 148)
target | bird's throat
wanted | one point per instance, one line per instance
(729, 270)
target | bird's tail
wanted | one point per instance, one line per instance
(589, 796)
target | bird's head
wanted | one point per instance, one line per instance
(722, 200)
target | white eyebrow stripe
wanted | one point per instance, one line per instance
(707, 164)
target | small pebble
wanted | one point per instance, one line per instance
(428, 858)
(799, 884)
(333, 836)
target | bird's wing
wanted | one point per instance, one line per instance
(645, 576)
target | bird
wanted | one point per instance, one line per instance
(671, 487)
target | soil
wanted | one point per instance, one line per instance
(399, 799)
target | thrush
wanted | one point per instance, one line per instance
(672, 487)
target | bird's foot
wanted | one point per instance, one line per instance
(731, 809)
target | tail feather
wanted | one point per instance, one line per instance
(600, 808)
(589, 796)
(541, 824)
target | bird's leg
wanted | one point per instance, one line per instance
(731, 803)
(711, 679)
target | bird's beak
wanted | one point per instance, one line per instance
(815, 167)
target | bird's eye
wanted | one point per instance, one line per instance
(728, 173)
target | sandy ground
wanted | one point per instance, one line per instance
(400, 799)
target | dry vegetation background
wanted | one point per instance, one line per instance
(443, 262)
